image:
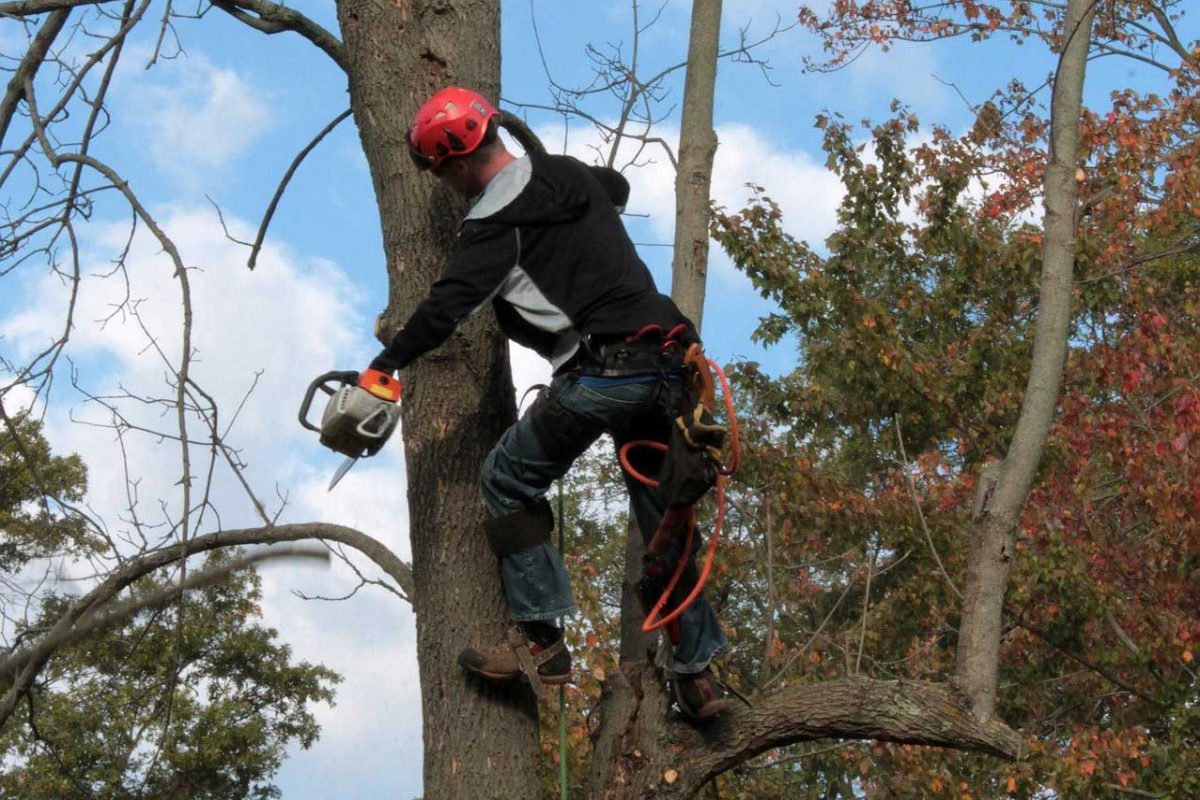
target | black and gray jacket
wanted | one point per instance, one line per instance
(545, 244)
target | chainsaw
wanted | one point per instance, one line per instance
(362, 412)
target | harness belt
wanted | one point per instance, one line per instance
(650, 350)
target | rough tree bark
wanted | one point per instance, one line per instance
(994, 526)
(479, 743)
(697, 148)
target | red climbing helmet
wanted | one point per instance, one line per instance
(453, 122)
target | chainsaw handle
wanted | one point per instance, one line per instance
(322, 382)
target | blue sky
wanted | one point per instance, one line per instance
(223, 121)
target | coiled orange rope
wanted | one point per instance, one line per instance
(653, 620)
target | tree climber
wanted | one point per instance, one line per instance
(544, 243)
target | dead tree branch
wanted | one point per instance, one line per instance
(148, 562)
(114, 614)
(283, 184)
(272, 18)
(31, 8)
(28, 68)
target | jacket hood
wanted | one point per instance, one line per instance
(533, 190)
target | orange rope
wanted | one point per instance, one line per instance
(653, 621)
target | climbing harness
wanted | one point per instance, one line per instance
(691, 466)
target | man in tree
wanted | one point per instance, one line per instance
(544, 242)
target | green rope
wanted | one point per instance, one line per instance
(562, 689)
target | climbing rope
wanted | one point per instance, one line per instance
(655, 620)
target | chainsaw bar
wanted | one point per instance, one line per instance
(341, 471)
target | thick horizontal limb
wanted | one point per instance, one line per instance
(30, 8)
(905, 712)
(908, 712)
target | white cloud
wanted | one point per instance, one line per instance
(17, 399)
(280, 325)
(370, 498)
(370, 640)
(194, 116)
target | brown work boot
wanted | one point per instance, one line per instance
(543, 653)
(700, 696)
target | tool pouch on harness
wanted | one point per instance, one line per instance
(693, 455)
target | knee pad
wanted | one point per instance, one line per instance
(520, 530)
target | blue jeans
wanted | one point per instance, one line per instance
(540, 447)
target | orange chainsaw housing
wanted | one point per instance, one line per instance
(380, 384)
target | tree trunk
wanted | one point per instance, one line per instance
(635, 645)
(697, 148)
(480, 742)
(994, 528)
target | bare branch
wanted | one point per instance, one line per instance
(862, 637)
(1171, 37)
(616, 76)
(813, 637)
(95, 621)
(163, 28)
(287, 177)
(114, 41)
(29, 66)
(274, 18)
(1096, 668)
(30, 8)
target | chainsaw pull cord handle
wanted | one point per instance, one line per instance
(653, 621)
(322, 382)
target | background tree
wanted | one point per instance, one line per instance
(1137, 29)
(697, 148)
(98, 725)
(97, 722)
(915, 337)
(29, 527)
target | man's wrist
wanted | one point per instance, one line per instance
(382, 363)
